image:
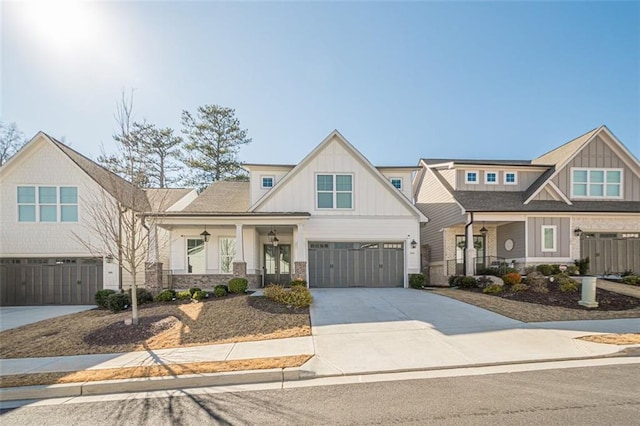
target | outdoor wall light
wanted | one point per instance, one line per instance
(483, 230)
(272, 237)
(414, 244)
(205, 235)
(577, 232)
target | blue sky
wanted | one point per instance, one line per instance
(399, 80)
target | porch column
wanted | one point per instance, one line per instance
(239, 265)
(469, 252)
(300, 264)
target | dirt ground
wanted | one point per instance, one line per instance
(162, 325)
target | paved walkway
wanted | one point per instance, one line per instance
(626, 289)
(17, 316)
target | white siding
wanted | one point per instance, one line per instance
(255, 179)
(370, 195)
(406, 177)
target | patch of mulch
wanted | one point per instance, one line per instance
(235, 318)
(120, 333)
(607, 300)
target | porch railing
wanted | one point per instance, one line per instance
(493, 265)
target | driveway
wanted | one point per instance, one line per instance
(17, 316)
(360, 330)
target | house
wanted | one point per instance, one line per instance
(579, 200)
(333, 219)
(50, 250)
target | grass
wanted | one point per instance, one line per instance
(225, 320)
(152, 371)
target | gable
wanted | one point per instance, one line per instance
(603, 153)
(372, 193)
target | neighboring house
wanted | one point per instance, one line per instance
(49, 250)
(579, 200)
(334, 220)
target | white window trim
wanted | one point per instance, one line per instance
(186, 254)
(555, 238)
(497, 181)
(391, 179)
(466, 177)
(273, 181)
(515, 178)
(220, 238)
(37, 203)
(335, 191)
(604, 196)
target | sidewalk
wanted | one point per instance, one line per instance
(627, 290)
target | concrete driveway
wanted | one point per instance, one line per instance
(17, 316)
(360, 330)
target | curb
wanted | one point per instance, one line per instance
(273, 375)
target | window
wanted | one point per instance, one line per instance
(195, 256)
(491, 178)
(471, 177)
(267, 182)
(596, 183)
(47, 204)
(397, 183)
(510, 178)
(334, 190)
(548, 238)
(227, 254)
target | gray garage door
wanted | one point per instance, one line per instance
(611, 252)
(363, 264)
(49, 281)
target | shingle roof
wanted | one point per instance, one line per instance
(222, 197)
(129, 195)
(161, 199)
(501, 201)
(561, 153)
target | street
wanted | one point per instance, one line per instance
(594, 395)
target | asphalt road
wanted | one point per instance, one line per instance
(584, 396)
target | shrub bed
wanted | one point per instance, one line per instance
(631, 279)
(416, 280)
(493, 289)
(512, 278)
(166, 296)
(118, 302)
(102, 296)
(238, 285)
(297, 296)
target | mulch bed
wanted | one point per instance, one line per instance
(120, 333)
(607, 300)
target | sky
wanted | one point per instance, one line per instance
(400, 80)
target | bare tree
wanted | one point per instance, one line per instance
(11, 140)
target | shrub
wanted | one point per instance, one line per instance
(101, 297)
(484, 281)
(118, 302)
(545, 269)
(582, 265)
(453, 280)
(166, 296)
(297, 296)
(631, 279)
(537, 282)
(200, 295)
(219, 291)
(467, 282)
(519, 287)
(193, 290)
(568, 286)
(298, 282)
(183, 295)
(416, 280)
(143, 295)
(626, 273)
(493, 289)
(238, 285)
(572, 270)
(512, 278)
(223, 286)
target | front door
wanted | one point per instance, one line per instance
(277, 264)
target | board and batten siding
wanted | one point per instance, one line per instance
(534, 236)
(516, 232)
(597, 154)
(436, 203)
(524, 180)
(255, 180)
(370, 196)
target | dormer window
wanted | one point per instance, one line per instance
(267, 182)
(491, 178)
(510, 178)
(397, 183)
(471, 177)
